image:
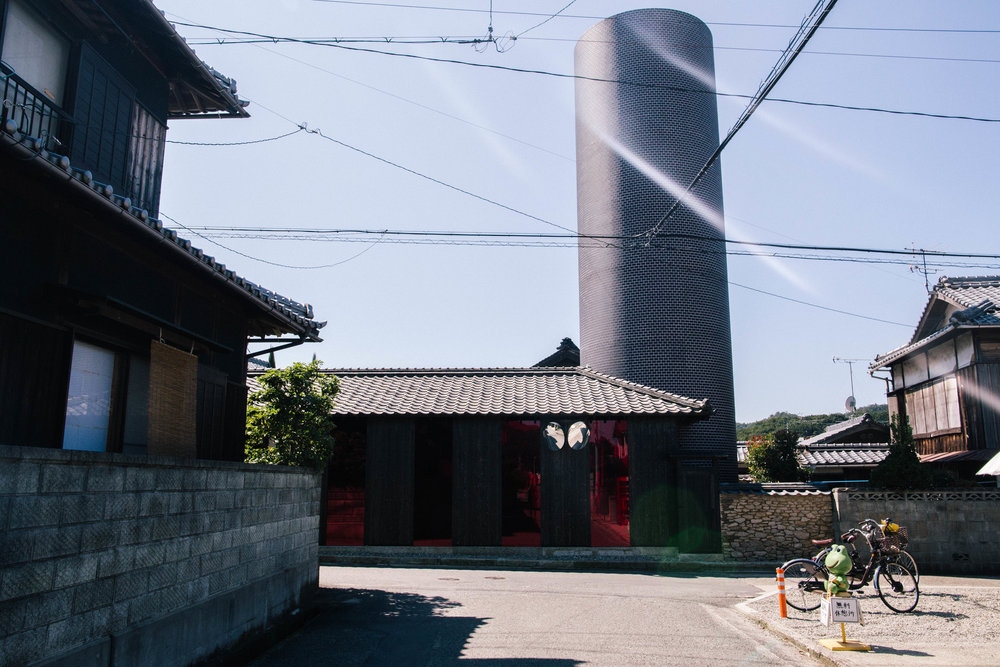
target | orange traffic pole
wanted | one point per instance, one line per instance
(781, 593)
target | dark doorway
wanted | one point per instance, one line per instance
(521, 485)
(345, 499)
(432, 483)
(609, 484)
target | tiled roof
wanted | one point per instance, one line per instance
(567, 354)
(979, 297)
(835, 432)
(856, 455)
(298, 317)
(861, 454)
(774, 489)
(971, 292)
(502, 391)
(952, 457)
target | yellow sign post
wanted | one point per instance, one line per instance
(841, 610)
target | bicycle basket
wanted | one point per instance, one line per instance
(893, 542)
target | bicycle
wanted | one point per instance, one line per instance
(895, 584)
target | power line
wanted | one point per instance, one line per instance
(266, 261)
(230, 143)
(418, 104)
(798, 42)
(561, 75)
(312, 233)
(432, 179)
(543, 22)
(465, 40)
(602, 17)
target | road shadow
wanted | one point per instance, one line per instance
(354, 626)
(899, 651)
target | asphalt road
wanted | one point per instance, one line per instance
(396, 616)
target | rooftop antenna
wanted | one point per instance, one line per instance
(851, 404)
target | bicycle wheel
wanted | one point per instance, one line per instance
(906, 560)
(897, 587)
(804, 582)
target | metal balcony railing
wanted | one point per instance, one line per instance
(35, 114)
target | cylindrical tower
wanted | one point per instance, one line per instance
(656, 314)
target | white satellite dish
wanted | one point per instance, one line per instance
(850, 404)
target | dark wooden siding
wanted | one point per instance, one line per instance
(34, 378)
(652, 483)
(476, 482)
(389, 482)
(234, 448)
(565, 496)
(102, 112)
(211, 413)
(698, 509)
(979, 386)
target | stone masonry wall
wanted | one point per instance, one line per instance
(107, 559)
(774, 527)
(950, 531)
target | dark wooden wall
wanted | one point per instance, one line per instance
(389, 458)
(698, 520)
(476, 482)
(981, 419)
(565, 495)
(70, 271)
(652, 481)
(34, 379)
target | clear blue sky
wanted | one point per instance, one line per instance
(798, 174)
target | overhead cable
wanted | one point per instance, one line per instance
(561, 75)
(601, 18)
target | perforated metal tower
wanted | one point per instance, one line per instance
(656, 315)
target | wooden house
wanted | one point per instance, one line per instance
(115, 334)
(495, 458)
(946, 380)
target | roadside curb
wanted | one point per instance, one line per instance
(685, 563)
(813, 652)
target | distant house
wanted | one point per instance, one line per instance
(115, 334)
(491, 457)
(845, 451)
(860, 429)
(946, 380)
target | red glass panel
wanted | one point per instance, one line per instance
(521, 484)
(345, 500)
(609, 484)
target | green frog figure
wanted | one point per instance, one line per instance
(838, 563)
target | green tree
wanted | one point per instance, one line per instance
(806, 425)
(288, 419)
(901, 469)
(772, 458)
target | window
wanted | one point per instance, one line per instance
(108, 403)
(934, 407)
(37, 53)
(88, 408)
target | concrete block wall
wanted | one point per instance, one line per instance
(777, 526)
(107, 559)
(950, 531)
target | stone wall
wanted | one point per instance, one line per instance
(761, 525)
(950, 531)
(107, 559)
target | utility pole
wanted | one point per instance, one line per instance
(851, 403)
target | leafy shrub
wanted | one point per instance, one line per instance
(288, 419)
(771, 458)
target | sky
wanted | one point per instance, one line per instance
(416, 144)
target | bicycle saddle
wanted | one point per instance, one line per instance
(822, 543)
